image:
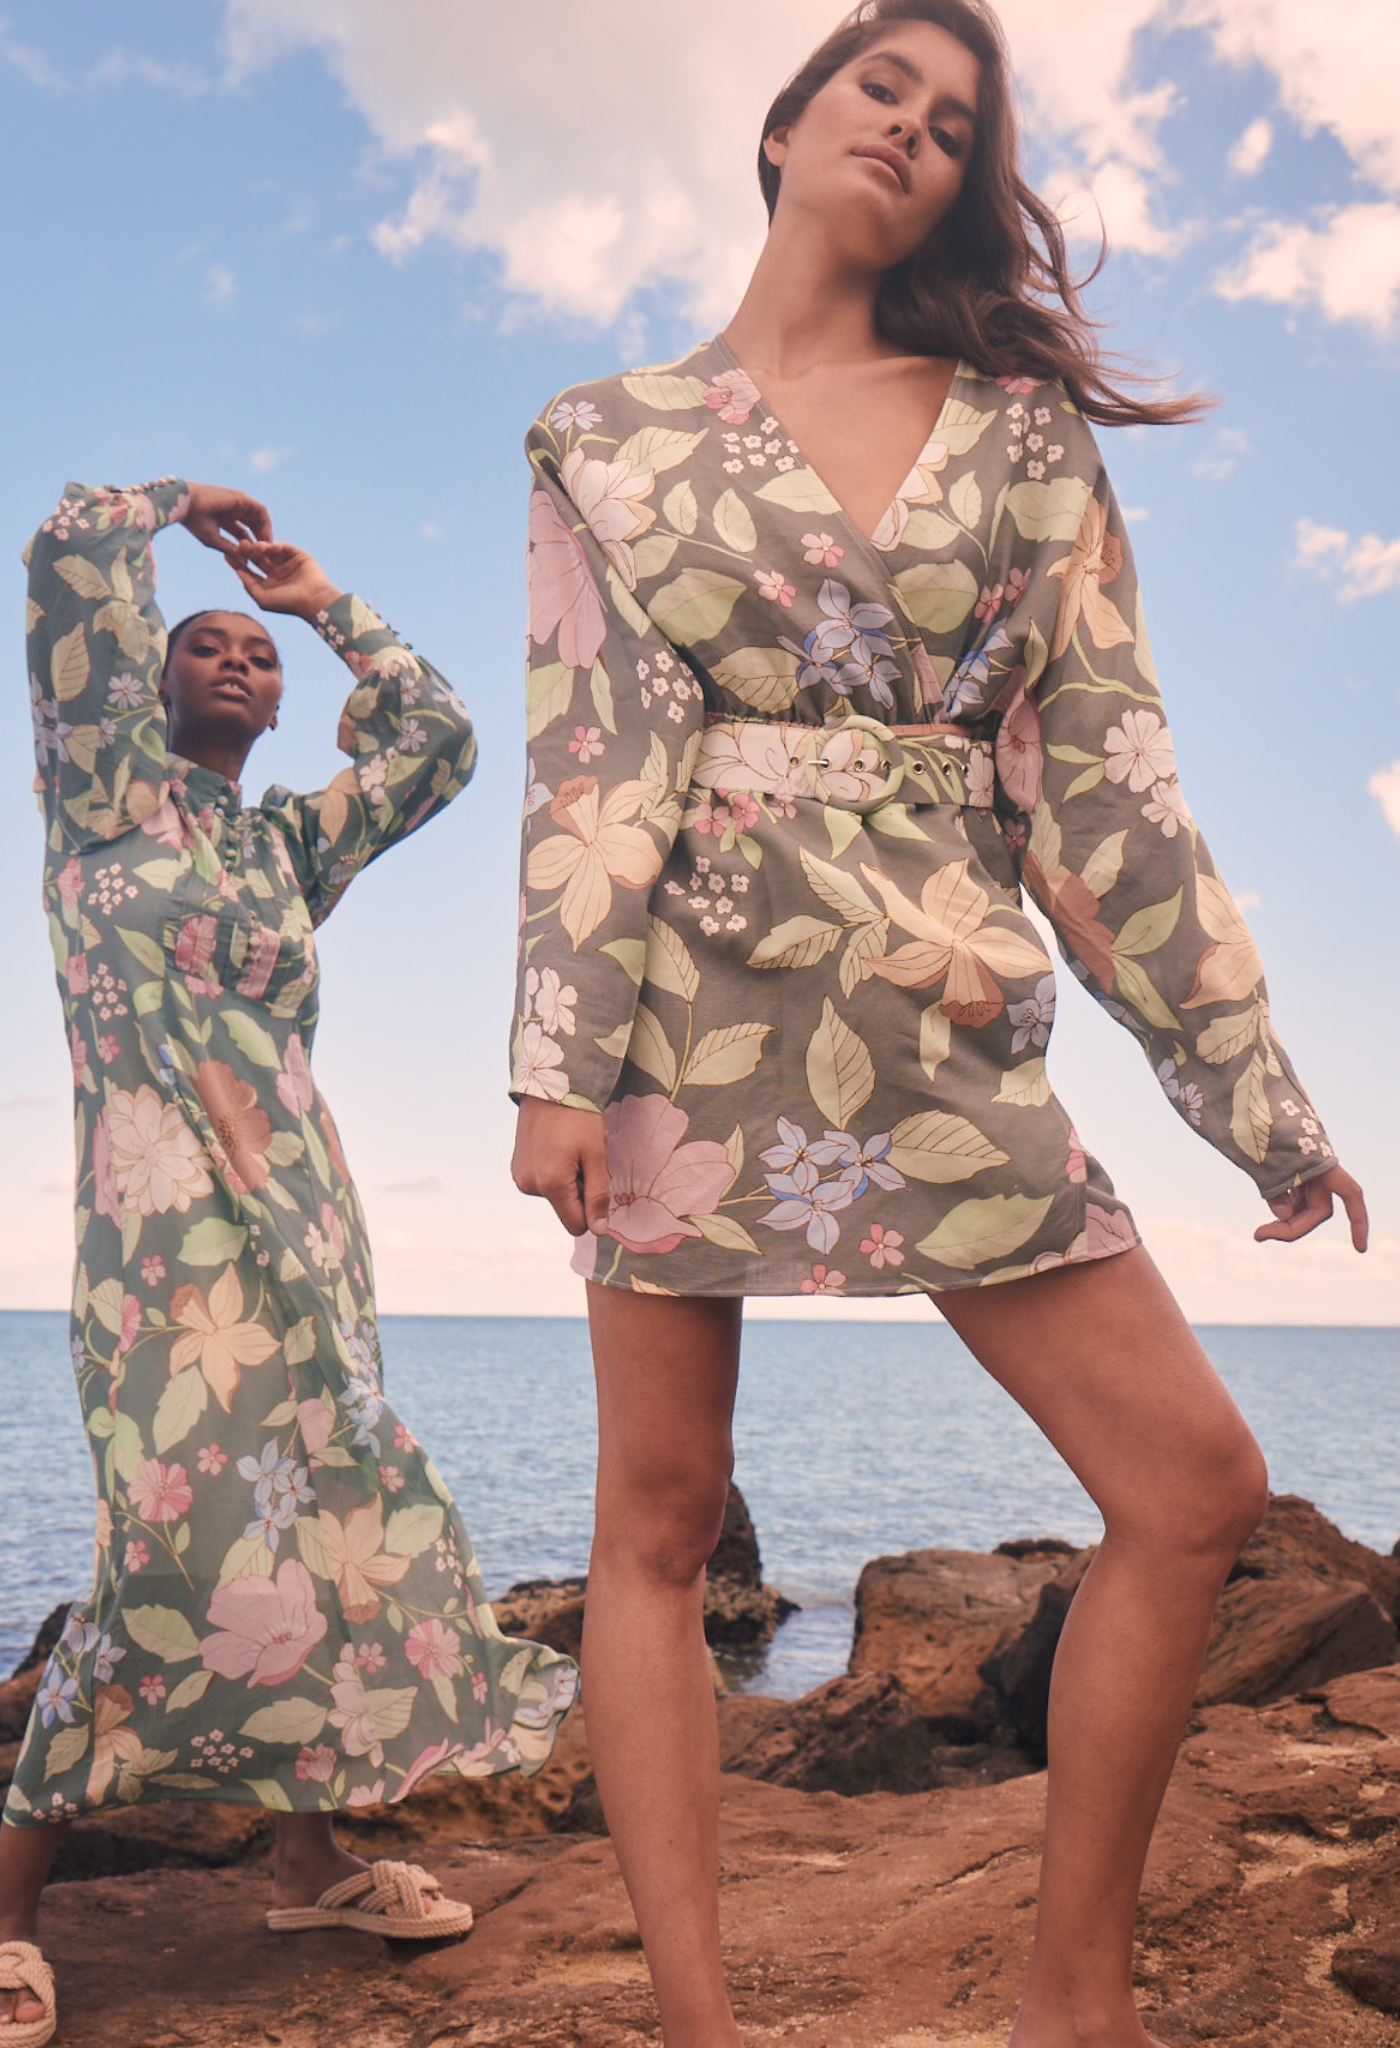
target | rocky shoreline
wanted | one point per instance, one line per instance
(880, 1839)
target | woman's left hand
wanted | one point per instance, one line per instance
(282, 578)
(1302, 1209)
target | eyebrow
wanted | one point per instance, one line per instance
(946, 102)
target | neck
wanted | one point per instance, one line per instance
(207, 750)
(807, 303)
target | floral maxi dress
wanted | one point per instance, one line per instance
(788, 784)
(286, 1608)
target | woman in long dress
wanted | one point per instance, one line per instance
(837, 652)
(286, 1608)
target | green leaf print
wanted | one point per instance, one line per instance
(1026, 1086)
(800, 490)
(668, 963)
(936, 596)
(630, 955)
(965, 500)
(725, 1232)
(179, 1408)
(663, 393)
(298, 1346)
(1136, 987)
(83, 577)
(601, 690)
(213, 1242)
(269, 1793)
(67, 1749)
(248, 1557)
(128, 1451)
(411, 1531)
(1105, 864)
(446, 1696)
(1227, 1037)
(650, 558)
(935, 1040)
(253, 1040)
(1251, 1119)
(658, 448)
(930, 530)
(294, 1720)
(163, 1631)
(840, 1071)
(975, 1233)
(548, 694)
(764, 678)
(680, 508)
(797, 942)
(734, 523)
(730, 1054)
(143, 948)
(1148, 929)
(649, 1048)
(70, 665)
(189, 1692)
(1049, 511)
(106, 1301)
(962, 426)
(696, 606)
(941, 1149)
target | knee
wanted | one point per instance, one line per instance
(1226, 1505)
(665, 1532)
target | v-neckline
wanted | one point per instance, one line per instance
(867, 540)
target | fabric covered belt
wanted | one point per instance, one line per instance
(856, 764)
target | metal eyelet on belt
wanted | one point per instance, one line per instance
(895, 764)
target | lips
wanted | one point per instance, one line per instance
(884, 153)
(235, 684)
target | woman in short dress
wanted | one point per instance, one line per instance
(286, 1610)
(837, 652)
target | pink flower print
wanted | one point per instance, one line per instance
(194, 945)
(743, 810)
(365, 1795)
(404, 1439)
(431, 1647)
(716, 818)
(152, 1269)
(131, 1324)
(79, 977)
(371, 1658)
(930, 689)
(390, 1478)
(432, 1758)
(106, 1196)
(883, 1247)
(564, 596)
(989, 603)
(1139, 751)
(824, 1281)
(316, 1765)
(296, 1091)
(981, 778)
(160, 1492)
(212, 1460)
(655, 1181)
(1018, 750)
(587, 742)
(77, 1054)
(335, 1232)
(773, 586)
(733, 395)
(1018, 387)
(1018, 582)
(70, 882)
(479, 1686)
(152, 1688)
(107, 1049)
(1107, 1232)
(821, 550)
(315, 1424)
(265, 1629)
(136, 1556)
(1076, 1165)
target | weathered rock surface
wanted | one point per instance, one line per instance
(875, 1922)
(933, 1617)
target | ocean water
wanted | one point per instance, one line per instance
(852, 1442)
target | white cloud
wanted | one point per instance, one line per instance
(1251, 152)
(119, 67)
(1345, 260)
(624, 163)
(220, 286)
(1366, 566)
(1385, 788)
(1222, 458)
(264, 460)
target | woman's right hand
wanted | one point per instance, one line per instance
(560, 1154)
(226, 520)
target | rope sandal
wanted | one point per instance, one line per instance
(391, 1899)
(22, 1968)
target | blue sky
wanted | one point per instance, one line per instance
(342, 254)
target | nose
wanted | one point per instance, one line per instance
(902, 138)
(234, 661)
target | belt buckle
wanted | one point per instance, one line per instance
(891, 750)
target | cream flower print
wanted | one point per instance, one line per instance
(611, 496)
(352, 1554)
(954, 940)
(600, 844)
(158, 1163)
(920, 487)
(1139, 751)
(218, 1336)
(540, 1064)
(1230, 969)
(1097, 559)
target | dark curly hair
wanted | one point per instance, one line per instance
(992, 285)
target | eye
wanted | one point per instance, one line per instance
(949, 144)
(263, 661)
(877, 91)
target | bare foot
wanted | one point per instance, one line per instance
(18, 2008)
(302, 1875)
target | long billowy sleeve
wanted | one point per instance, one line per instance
(614, 720)
(411, 747)
(1115, 858)
(96, 644)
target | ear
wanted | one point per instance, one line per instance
(272, 723)
(775, 146)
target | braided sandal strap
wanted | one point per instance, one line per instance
(22, 1968)
(400, 1890)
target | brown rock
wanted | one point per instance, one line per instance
(1276, 1636)
(18, 1690)
(857, 1734)
(1294, 1538)
(544, 1611)
(1018, 1669)
(933, 1616)
(1370, 1969)
(848, 1922)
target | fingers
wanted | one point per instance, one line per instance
(560, 1155)
(1301, 1210)
(1354, 1202)
(597, 1194)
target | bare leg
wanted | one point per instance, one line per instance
(25, 1857)
(1102, 1359)
(309, 1859)
(667, 1371)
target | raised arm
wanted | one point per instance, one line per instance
(409, 738)
(1118, 865)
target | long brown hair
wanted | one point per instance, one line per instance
(992, 285)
